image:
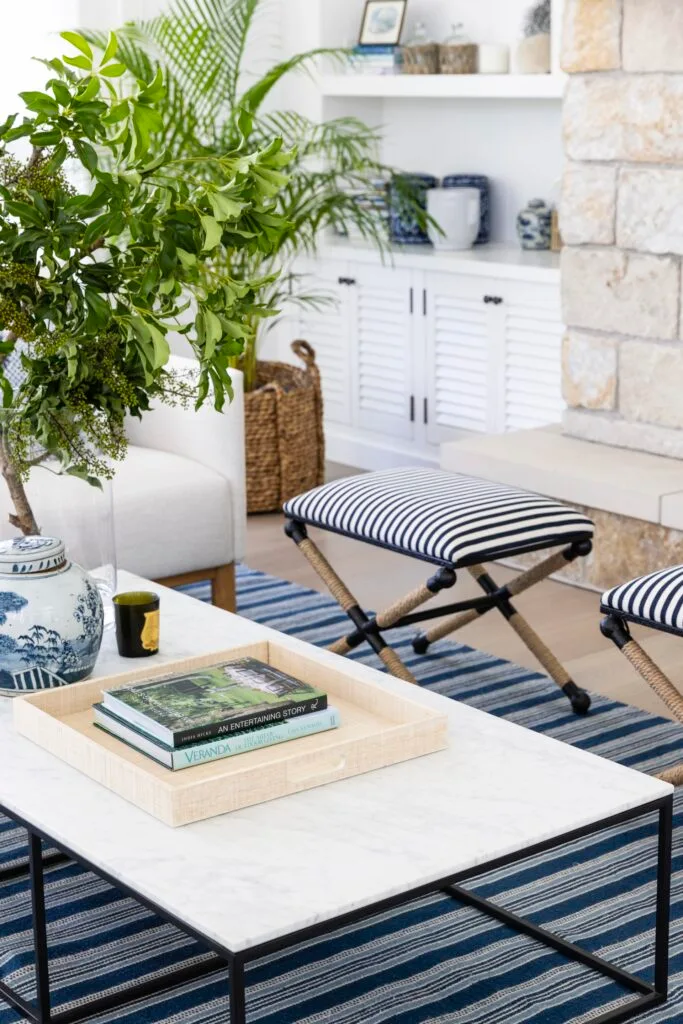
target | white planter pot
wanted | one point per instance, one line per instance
(457, 212)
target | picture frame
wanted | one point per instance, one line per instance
(382, 22)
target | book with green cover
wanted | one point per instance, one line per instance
(221, 747)
(216, 701)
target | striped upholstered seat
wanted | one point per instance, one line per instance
(655, 600)
(439, 517)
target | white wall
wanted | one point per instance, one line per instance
(491, 21)
(518, 144)
(30, 29)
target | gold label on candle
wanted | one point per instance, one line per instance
(149, 638)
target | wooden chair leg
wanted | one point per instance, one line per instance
(222, 584)
(223, 593)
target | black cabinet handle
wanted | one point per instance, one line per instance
(492, 300)
(424, 302)
(412, 301)
(347, 280)
(412, 408)
(425, 411)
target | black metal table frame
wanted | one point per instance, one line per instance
(648, 996)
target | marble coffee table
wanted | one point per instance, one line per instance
(499, 794)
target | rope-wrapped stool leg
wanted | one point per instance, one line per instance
(518, 585)
(579, 699)
(343, 596)
(616, 630)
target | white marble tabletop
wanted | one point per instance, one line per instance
(263, 872)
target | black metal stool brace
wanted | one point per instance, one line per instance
(451, 521)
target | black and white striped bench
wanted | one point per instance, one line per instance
(453, 522)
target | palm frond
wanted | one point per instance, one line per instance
(203, 49)
(253, 98)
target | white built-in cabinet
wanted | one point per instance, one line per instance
(411, 357)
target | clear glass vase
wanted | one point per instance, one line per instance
(77, 513)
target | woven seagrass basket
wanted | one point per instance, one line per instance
(458, 60)
(284, 432)
(420, 59)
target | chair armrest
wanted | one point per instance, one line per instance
(213, 439)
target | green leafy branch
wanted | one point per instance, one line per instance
(93, 281)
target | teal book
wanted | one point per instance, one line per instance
(214, 750)
(213, 702)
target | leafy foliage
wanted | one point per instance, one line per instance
(93, 280)
(201, 45)
(537, 19)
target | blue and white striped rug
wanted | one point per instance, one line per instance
(431, 961)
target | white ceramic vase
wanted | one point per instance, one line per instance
(457, 211)
(51, 616)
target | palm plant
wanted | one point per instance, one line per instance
(201, 46)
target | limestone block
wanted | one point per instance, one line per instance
(623, 548)
(588, 204)
(609, 290)
(638, 118)
(650, 210)
(652, 35)
(591, 38)
(589, 370)
(608, 428)
(651, 383)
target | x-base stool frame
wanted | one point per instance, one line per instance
(403, 612)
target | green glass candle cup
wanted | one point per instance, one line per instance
(137, 623)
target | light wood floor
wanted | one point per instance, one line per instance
(566, 617)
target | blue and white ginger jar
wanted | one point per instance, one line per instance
(534, 225)
(404, 228)
(51, 616)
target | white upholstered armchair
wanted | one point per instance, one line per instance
(179, 496)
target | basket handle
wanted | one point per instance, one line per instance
(306, 353)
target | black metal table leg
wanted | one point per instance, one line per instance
(663, 898)
(238, 1010)
(647, 995)
(35, 858)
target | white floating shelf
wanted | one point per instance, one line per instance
(540, 87)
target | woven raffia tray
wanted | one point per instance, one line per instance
(378, 728)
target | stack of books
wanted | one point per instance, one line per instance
(375, 60)
(227, 709)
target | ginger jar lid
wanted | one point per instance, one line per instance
(24, 556)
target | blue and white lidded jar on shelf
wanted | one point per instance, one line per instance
(51, 616)
(534, 225)
(404, 228)
(481, 182)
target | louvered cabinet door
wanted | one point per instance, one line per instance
(328, 330)
(458, 362)
(383, 392)
(532, 362)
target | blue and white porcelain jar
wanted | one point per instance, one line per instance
(404, 228)
(534, 225)
(481, 182)
(51, 616)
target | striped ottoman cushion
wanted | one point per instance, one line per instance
(656, 599)
(439, 517)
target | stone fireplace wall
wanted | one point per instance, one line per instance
(622, 223)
